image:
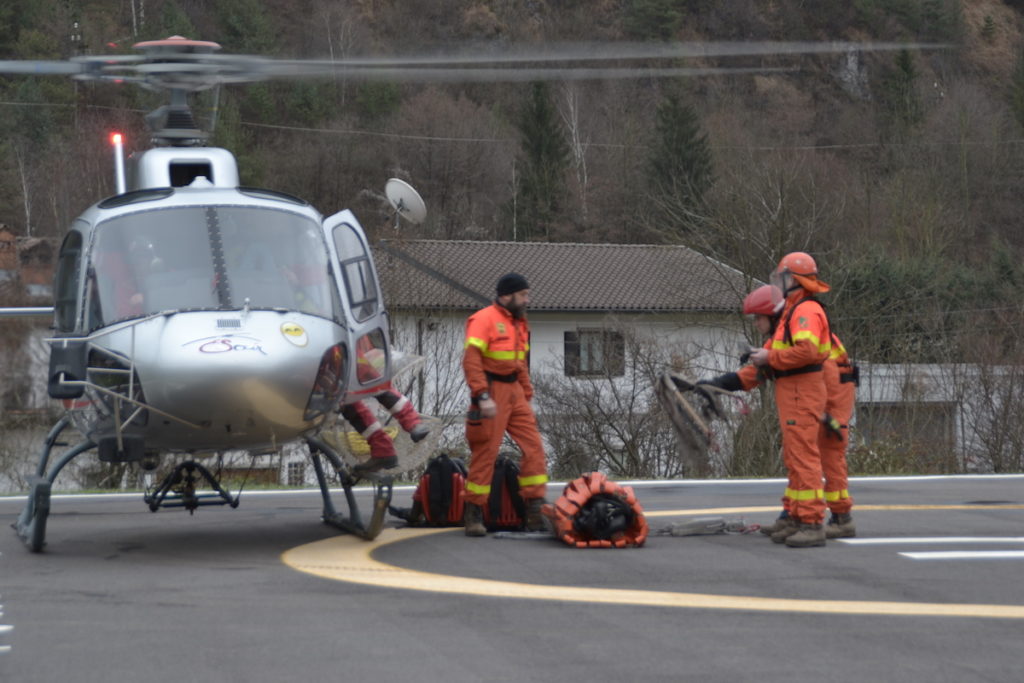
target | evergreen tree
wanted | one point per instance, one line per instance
(1017, 90)
(246, 27)
(541, 165)
(899, 92)
(375, 101)
(658, 19)
(681, 167)
(171, 20)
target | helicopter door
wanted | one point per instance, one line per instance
(364, 306)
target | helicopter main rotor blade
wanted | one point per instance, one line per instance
(488, 75)
(179, 65)
(39, 68)
(579, 52)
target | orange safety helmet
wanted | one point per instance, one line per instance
(798, 263)
(765, 300)
(804, 270)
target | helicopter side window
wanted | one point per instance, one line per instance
(371, 357)
(68, 269)
(357, 273)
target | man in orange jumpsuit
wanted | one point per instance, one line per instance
(496, 370)
(841, 378)
(794, 357)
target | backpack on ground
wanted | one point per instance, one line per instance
(505, 509)
(440, 495)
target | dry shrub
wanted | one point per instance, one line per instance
(899, 456)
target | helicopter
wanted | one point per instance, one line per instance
(193, 315)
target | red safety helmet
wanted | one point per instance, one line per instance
(765, 300)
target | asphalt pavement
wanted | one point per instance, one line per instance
(930, 590)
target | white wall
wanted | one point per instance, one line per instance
(709, 344)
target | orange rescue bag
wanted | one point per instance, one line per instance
(595, 512)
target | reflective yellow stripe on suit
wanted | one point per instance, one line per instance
(496, 355)
(534, 480)
(484, 489)
(800, 336)
(804, 494)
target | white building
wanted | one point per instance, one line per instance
(605, 320)
(589, 304)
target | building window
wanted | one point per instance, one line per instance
(594, 353)
(296, 474)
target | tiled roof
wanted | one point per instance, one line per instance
(446, 274)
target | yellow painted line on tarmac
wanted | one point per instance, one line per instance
(349, 559)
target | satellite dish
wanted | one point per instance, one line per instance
(405, 200)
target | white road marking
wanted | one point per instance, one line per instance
(967, 555)
(4, 628)
(937, 540)
(947, 540)
(557, 486)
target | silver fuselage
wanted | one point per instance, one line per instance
(210, 331)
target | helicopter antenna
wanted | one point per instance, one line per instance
(117, 141)
(406, 201)
(214, 109)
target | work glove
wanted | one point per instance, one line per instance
(680, 383)
(833, 427)
(730, 381)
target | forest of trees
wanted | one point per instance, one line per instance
(900, 171)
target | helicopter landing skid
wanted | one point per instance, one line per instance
(353, 524)
(178, 489)
(31, 523)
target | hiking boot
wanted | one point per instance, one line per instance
(786, 527)
(419, 432)
(473, 518)
(806, 536)
(840, 526)
(375, 465)
(535, 521)
(769, 529)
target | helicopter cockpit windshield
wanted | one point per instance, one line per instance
(209, 258)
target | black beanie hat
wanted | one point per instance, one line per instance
(510, 283)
